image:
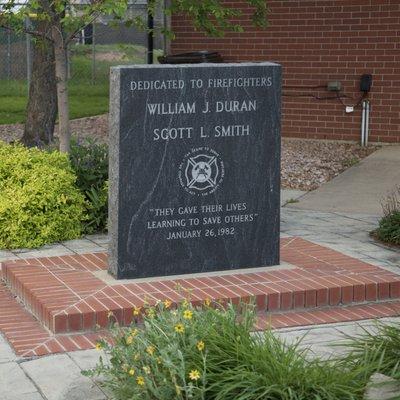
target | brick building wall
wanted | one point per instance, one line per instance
(316, 42)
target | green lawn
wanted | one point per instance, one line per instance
(86, 98)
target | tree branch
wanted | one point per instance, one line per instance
(73, 34)
(32, 32)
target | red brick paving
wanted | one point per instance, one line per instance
(66, 300)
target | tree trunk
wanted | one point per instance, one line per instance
(60, 53)
(42, 103)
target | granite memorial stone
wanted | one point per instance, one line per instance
(194, 168)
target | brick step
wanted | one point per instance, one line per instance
(66, 295)
(30, 339)
(328, 315)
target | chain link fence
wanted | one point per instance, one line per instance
(98, 47)
(15, 55)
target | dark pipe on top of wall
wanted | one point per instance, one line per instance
(150, 38)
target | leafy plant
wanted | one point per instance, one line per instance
(210, 353)
(89, 160)
(153, 362)
(39, 201)
(97, 209)
(389, 226)
(350, 162)
(377, 351)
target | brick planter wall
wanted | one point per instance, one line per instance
(316, 42)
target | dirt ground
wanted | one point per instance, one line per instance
(306, 164)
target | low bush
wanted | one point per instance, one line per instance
(89, 160)
(210, 353)
(39, 202)
(389, 226)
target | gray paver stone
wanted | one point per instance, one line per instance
(87, 359)
(6, 354)
(382, 387)
(59, 378)
(14, 384)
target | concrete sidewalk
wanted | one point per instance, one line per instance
(360, 189)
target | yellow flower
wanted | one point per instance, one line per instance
(134, 332)
(131, 372)
(159, 360)
(146, 369)
(178, 287)
(188, 314)
(194, 374)
(179, 328)
(140, 380)
(178, 390)
(150, 350)
(200, 345)
(99, 346)
(207, 302)
(136, 310)
(129, 340)
(136, 356)
(185, 303)
(167, 303)
(150, 312)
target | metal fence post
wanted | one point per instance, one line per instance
(150, 38)
(93, 53)
(8, 54)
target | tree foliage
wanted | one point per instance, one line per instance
(214, 17)
(64, 20)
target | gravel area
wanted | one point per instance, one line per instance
(306, 164)
(96, 126)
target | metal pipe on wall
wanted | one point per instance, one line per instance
(366, 134)
(363, 124)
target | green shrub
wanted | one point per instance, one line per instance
(210, 353)
(90, 163)
(39, 202)
(389, 226)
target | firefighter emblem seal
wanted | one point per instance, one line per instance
(201, 171)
